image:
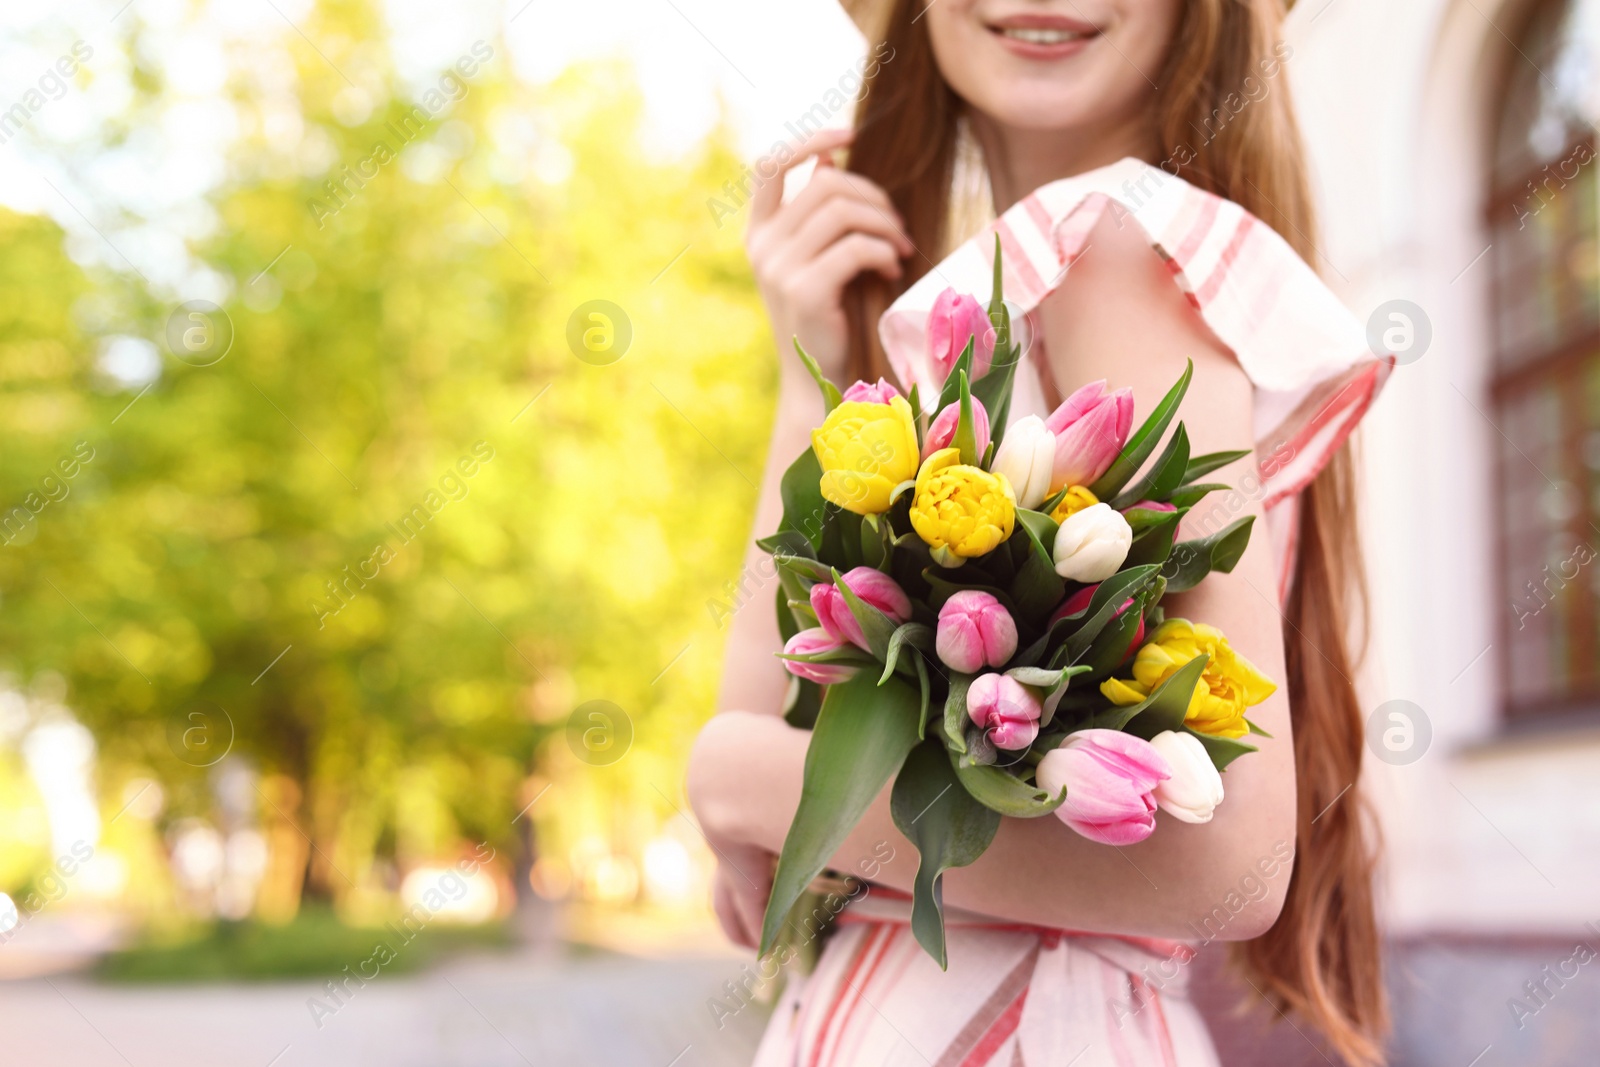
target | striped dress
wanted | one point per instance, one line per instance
(1018, 996)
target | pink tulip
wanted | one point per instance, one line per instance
(1005, 709)
(942, 431)
(1150, 505)
(1080, 600)
(1111, 778)
(975, 631)
(879, 392)
(872, 586)
(954, 320)
(810, 643)
(1091, 427)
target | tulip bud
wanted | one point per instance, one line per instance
(1027, 458)
(1005, 709)
(1195, 788)
(942, 431)
(1091, 427)
(954, 320)
(1091, 545)
(813, 642)
(872, 586)
(975, 631)
(1110, 778)
(879, 392)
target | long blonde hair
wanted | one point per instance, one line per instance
(1321, 960)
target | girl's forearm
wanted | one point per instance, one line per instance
(745, 782)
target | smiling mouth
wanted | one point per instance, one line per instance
(1039, 34)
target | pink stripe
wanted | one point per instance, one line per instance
(1348, 405)
(1219, 275)
(906, 954)
(1160, 1032)
(846, 987)
(1041, 217)
(998, 1034)
(1197, 233)
(858, 994)
(1111, 977)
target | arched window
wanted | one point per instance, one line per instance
(1546, 376)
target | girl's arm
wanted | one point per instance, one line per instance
(1119, 317)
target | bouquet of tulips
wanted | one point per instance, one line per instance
(973, 609)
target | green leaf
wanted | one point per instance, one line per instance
(1153, 544)
(1051, 683)
(1192, 560)
(831, 397)
(948, 826)
(918, 418)
(787, 543)
(788, 624)
(915, 634)
(951, 391)
(1002, 791)
(1187, 496)
(1143, 441)
(1110, 647)
(1164, 709)
(1040, 525)
(1222, 750)
(1037, 588)
(804, 508)
(1164, 474)
(1103, 606)
(924, 695)
(944, 589)
(1257, 730)
(804, 567)
(861, 738)
(998, 312)
(875, 533)
(966, 435)
(802, 701)
(1202, 465)
(955, 712)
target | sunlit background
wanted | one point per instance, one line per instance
(346, 599)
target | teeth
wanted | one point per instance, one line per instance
(1039, 36)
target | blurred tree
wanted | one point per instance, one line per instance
(384, 545)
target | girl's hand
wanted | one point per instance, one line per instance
(806, 251)
(740, 889)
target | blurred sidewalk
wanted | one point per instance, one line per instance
(532, 1006)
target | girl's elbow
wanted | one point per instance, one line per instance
(1246, 898)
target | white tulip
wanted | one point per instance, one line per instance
(1026, 457)
(1195, 788)
(1092, 543)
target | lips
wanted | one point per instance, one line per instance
(1043, 36)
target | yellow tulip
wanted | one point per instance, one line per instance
(1228, 685)
(959, 510)
(1076, 499)
(865, 450)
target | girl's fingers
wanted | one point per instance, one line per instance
(840, 216)
(830, 182)
(769, 195)
(847, 257)
(729, 915)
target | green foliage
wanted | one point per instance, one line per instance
(305, 502)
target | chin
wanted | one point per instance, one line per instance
(1038, 68)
